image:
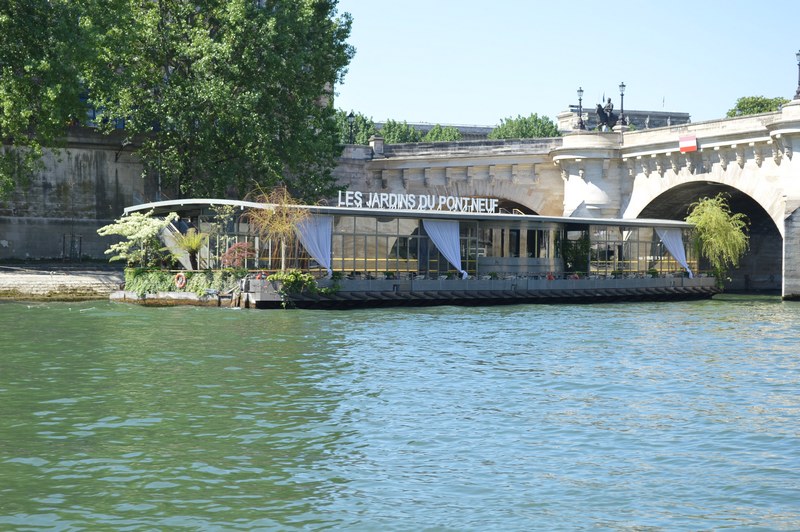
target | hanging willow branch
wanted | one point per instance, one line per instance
(719, 234)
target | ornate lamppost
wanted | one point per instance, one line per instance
(622, 103)
(581, 125)
(797, 93)
(350, 119)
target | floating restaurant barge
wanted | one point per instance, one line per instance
(381, 250)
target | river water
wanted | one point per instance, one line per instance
(648, 416)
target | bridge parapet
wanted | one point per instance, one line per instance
(474, 148)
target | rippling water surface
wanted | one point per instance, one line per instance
(673, 416)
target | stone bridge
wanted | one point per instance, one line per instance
(621, 174)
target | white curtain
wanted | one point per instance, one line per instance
(315, 233)
(673, 240)
(445, 236)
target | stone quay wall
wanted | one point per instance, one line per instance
(24, 284)
(81, 188)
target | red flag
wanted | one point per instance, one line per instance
(687, 143)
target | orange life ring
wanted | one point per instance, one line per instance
(551, 277)
(180, 280)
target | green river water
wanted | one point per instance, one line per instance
(649, 416)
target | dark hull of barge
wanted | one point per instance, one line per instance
(349, 294)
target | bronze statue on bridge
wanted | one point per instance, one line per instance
(606, 116)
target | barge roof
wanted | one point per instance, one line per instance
(198, 204)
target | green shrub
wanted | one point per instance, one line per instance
(145, 281)
(295, 281)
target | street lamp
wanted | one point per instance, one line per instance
(797, 93)
(581, 125)
(350, 119)
(622, 103)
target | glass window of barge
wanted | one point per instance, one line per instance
(373, 246)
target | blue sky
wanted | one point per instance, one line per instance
(474, 62)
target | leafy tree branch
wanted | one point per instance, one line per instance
(719, 234)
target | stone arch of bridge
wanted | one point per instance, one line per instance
(670, 194)
(762, 266)
(513, 207)
(511, 196)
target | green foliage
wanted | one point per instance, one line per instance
(295, 282)
(223, 216)
(719, 234)
(576, 254)
(42, 54)
(531, 127)
(751, 105)
(393, 132)
(363, 128)
(145, 281)
(142, 245)
(442, 134)
(220, 96)
(399, 133)
(191, 242)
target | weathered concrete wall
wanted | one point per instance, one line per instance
(81, 188)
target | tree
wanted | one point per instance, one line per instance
(142, 245)
(399, 133)
(719, 234)
(440, 134)
(751, 105)
(42, 54)
(363, 128)
(532, 127)
(219, 97)
(237, 255)
(280, 220)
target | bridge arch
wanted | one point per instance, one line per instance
(761, 268)
(511, 196)
(510, 206)
(683, 190)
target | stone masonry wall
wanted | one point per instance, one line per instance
(81, 188)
